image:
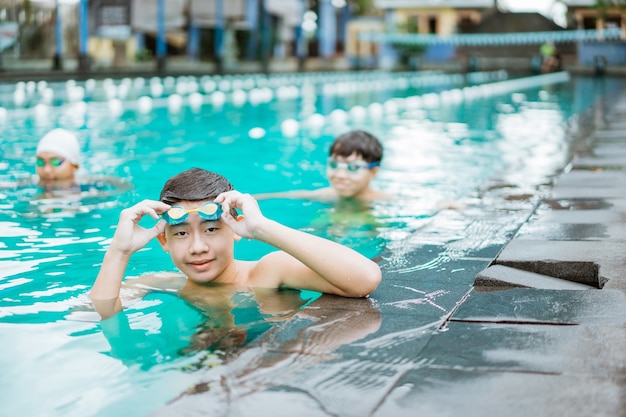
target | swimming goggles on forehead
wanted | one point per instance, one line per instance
(353, 166)
(207, 211)
(55, 162)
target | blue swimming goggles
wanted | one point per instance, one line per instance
(177, 214)
(354, 166)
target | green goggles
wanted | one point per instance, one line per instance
(207, 211)
(55, 162)
(354, 166)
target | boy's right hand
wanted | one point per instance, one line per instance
(129, 236)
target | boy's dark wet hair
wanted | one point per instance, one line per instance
(194, 184)
(360, 142)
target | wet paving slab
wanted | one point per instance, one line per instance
(583, 178)
(529, 305)
(577, 219)
(521, 352)
(502, 389)
(499, 277)
(588, 262)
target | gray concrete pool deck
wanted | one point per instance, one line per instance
(521, 313)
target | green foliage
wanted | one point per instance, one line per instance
(603, 6)
(143, 55)
(606, 4)
(409, 26)
(362, 7)
(28, 11)
(407, 50)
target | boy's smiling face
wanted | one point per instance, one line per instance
(350, 184)
(201, 249)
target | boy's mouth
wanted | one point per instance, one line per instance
(201, 265)
(342, 185)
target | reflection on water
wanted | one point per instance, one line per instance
(284, 356)
(213, 321)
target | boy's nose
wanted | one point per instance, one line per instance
(198, 244)
(48, 170)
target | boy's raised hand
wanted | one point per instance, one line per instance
(129, 236)
(246, 224)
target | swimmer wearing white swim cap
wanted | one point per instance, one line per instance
(58, 157)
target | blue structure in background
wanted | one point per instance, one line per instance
(301, 46)
(387, 54)
(266, 37)
(439, 53)
(220, 26)
(193, 42)
(252, 20)
(83, 35)
(613, 53)
(161, 46)
(327, 29)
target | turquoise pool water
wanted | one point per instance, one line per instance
(445, 136)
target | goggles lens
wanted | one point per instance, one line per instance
(55, 162)
(208, 211)
(354, 166)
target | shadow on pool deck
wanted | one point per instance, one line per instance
(536, 336)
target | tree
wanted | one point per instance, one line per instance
(603, 6)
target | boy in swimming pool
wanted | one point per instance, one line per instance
(58, 157)
(57, 161)
(198, 225)
(353, 162)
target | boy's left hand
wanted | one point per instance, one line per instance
(248, 222)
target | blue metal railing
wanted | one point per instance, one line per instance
(495, 39)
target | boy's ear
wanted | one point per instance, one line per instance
(163, 241)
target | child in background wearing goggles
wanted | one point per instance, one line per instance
(58, 157)
(353, 162)
(200, 241)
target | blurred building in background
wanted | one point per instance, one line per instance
(387, 34)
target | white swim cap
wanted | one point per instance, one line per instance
(62, 142)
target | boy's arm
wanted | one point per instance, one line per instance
(321, 194)
(328, 266)
(105, 292)
(129, 237)
(320, 264)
